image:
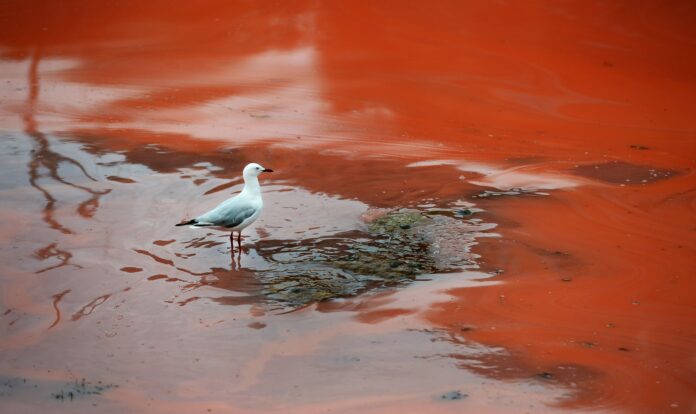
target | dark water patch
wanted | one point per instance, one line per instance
(158, 157)
(580, 380)
(511, 192)
(81, 388)
(90, 307)
(163, 242)
(188, 300)
(57, 390)
(619, 172)
(525, 160)
(238, 300)
(131, 269)
(121, 180)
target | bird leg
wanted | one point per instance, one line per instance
(231, 241)
(235, 260)
(239, 240)
(233, 264)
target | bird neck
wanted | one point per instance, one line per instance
(251, 186)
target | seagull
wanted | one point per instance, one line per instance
(238, 212)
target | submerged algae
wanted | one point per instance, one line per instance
(395, 221)
(394, 249)
(397, 248)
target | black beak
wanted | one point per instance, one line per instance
(267, 170)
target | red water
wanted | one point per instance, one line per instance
(120, 118)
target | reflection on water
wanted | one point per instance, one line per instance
(309, 246)
(50, 251)
(46, 163)
(56, 299)
(45, 159)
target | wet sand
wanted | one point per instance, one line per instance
(551, 149)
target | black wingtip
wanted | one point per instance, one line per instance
(186, 223)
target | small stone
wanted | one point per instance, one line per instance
(256, 325)
(567, 279)
(545, 375)
(453, 395)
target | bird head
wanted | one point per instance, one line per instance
(254, 170)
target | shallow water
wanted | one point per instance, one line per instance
(547, 153)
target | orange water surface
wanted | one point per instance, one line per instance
(567, 129)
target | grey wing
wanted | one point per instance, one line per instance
(236, 218)
(226, 217)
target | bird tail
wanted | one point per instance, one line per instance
(187, 223)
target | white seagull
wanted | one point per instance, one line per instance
(238, 212)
